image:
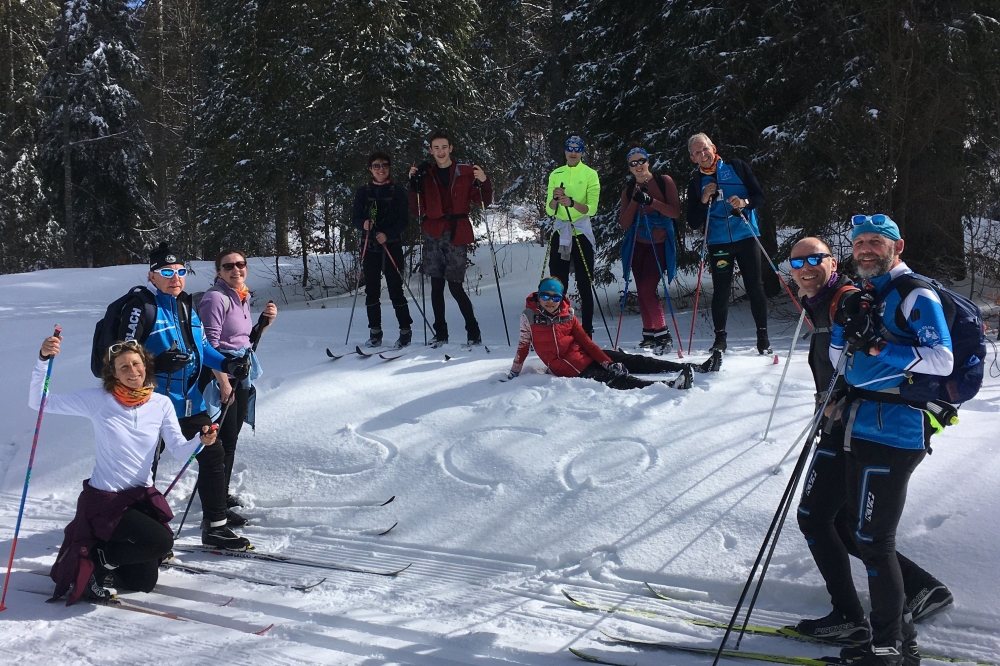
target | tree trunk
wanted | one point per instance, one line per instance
(68, 222)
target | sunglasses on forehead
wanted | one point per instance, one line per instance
(170, 272)
(555, 298)
(813, 259)
(877, 220)
(635, 163)
(130, 345)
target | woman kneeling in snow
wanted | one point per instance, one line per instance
(548, 324)
(121, 529)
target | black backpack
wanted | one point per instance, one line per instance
(106, 331)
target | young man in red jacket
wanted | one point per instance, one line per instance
(441, 196)
(549, 325)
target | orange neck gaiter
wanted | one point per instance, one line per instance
(243, 291)
(131, 397)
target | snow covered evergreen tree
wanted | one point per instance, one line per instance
(92, 149)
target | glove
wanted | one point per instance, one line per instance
(860, 333)
(512, 374)
(417, 181)
(617, 369)
(641, 196)
(171, 361)
(237, 366)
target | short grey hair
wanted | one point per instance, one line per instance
(700, 136)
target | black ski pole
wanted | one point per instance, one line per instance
(258, 330)
(586, 268)
(493, 253)
(385, 249)
(194, 491)
(423, 295)
(357, 287)
(782, 510)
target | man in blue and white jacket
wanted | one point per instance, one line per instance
(180, 349)
(885, 440)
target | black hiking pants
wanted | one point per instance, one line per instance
(464, 305)
(136, 547)
(211, 470)
(583, 266)
(229, 429)
(636, 363)
(375, 264)
(723, 259)
(828, 526)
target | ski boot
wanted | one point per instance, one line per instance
(376, 338)
(99, 591)
(720, 342)
(220, 536)
(763, 344)
(663, 342)
(837, 628)
(232, 501)
(648, 339)
(234, 519)
(932, 599)
(405, 337)
(475, 336)
(440, 335)
(713, 364)
(685, 380)
(871, 655)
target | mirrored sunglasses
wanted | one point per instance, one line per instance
(379, 165)
(170, 272)
(635, 163)
(813, 259)
(877, 220)
(574, 149)
(234, 264)
(131, 345)
(555, 298)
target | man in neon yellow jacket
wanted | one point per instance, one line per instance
(573, 193)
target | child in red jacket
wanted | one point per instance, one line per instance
(549, 325)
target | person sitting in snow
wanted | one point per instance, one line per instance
(121, 529)
(549, 324)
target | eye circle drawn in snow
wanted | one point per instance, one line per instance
(608, 462)
(491, 456)
(351, 453)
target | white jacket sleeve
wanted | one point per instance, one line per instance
(170, 431)
(82, 403)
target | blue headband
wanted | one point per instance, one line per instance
(550, 286)
(636, 151)
(575, 142)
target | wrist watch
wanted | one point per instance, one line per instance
(746, 203)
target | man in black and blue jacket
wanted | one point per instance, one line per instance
(890, 336)
(179, 347)
(381, 210)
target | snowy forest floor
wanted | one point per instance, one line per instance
(506, 494)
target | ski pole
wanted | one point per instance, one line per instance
(666, 291)
(385, 249)
(27, 477)
(701, 268)
(357, 286)
(201, 445)
(493, 253)
(777, 468)
(586, 269)
(781, 511)
(769, 262)
(255, 335)
(423, 278)
(795, 339)
(548, 247)
(628, 275)
(194, 491)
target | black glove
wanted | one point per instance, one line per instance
(617, 369)
(860, 332)
(171, 361)
(237, 366)
(417, 181)
(641, 196)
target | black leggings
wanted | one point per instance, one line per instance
(229, 430)
(583, 266)
(646, 365)
(828, 526)
(464, 304)
(211, 470)
(375, 264)
(136, 547)
(723, 257)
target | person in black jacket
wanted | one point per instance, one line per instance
(732, 220)
(381, 210)
(822, 515)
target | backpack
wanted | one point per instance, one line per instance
(196, 297)
(657, 178)
(968, 341)
(106, 331)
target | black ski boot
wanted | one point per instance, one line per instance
(648, 339)
(376, 338)
(98, 590)
(475, 335)
(871, 655)
(232, 501)
(405, 337)
(662, 341)
(223, 537)
(763, 344)
(713, 364)
(932, 599)
(837, 628)
(686, 379)
(234, 519)
(440, 335)
(720, 342)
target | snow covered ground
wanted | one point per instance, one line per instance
(506, 495)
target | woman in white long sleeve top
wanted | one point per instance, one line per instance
(121, 525)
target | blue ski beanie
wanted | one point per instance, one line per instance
(636, 151)
(575, 142)
(550, 285)
(886, 228)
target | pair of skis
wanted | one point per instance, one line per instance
(364, 354)
(254, 554)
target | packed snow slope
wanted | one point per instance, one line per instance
(506, 494)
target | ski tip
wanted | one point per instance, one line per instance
(447, 358)
(264, 630)
(388, 501)
(332, 355)
(775, 360)
(388, 530)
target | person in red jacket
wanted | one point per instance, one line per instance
(549, 325)
(441, 196)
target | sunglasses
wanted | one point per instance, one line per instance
(877, 220)
(635, 163)
(555, 298)
(379, 165)
(704, 151)
(574, 149)
(813, 259)
(234, 264)
(131, 345)
(170, 272)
